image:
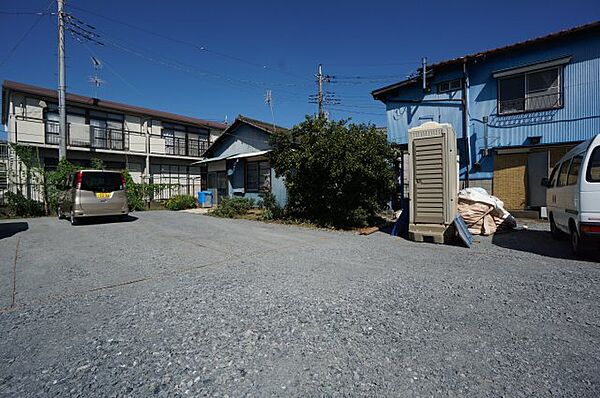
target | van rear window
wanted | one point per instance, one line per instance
(593, 169)
(99, 181)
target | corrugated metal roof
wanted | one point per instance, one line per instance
(581, 29)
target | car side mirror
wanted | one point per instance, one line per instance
(545, 182)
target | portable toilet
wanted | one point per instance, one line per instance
(433, 182)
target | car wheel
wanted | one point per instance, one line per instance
(575, 241)
(554, 231)
(74, 220)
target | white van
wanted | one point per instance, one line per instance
(573, 195)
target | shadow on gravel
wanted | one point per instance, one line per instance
(12, 228)
(541, 242)
(107, 220)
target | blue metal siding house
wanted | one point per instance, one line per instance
(515, 109)
(237, 162)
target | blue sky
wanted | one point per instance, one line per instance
(212, 59)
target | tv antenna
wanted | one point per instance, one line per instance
(95, 79)
(269, 102)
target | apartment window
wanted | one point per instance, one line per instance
(107, 130)
(449, 85)
(531, 91)
(183, 140)
(258, 176)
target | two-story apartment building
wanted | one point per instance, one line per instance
(155, 146)
(516, 109)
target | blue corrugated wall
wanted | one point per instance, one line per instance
(578, 120)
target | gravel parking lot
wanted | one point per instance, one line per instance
(172, 304)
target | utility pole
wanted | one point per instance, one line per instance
(322, 97)
(62, 109)
(320, 94)
(424, 63)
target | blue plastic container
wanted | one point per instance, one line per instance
(205, 198)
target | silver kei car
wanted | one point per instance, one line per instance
(92, 193)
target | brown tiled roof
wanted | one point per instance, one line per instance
(269, 128)
(578, 30)
(107, 105)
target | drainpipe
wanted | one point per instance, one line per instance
(465, 122)
(147, 171)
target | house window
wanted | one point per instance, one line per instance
(107, 130)
(531, 91)
(184, 141)
(258, 176)
(449, 85)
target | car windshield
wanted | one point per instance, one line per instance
(99, 181)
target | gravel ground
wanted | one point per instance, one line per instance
(176, 304)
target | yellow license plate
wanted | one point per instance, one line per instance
(102, 195)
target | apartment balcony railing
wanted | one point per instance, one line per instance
(89, 137)
(185, 146)
(86, 136)
(3, 150)
(531, 103)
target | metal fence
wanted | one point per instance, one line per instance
(32, 190)
(35, 190)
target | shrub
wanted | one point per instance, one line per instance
(136, 198)
(336, 174)
(20, 206)
(232, 207)
(139, 194)
(271, 209)
(180, 202)
(56, 182)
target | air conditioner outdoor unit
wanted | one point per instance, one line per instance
(433, 182)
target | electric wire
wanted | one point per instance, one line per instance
(27, 32)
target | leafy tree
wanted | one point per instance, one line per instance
(336, 173)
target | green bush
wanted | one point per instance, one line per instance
(271, 209)
(20, 206)
(181, 202)
(57, 182)
(136, 198)
(233, 207)
(336, 174)
(139, 194)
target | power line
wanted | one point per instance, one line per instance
(26, 13)
(202, 48)
(18, 43)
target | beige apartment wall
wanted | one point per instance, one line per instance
(133, 124)
(157, 145)
(30, 131)
(137, 143)
(26, 120)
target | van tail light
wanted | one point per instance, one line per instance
(590, 229)
(78, 178)
(123, 181)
